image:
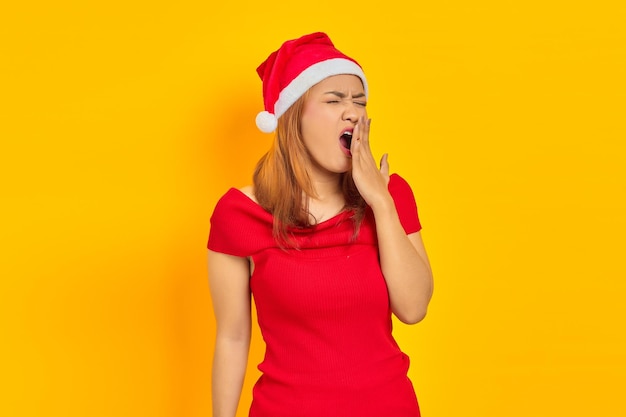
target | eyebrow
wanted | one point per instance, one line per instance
(342, 95)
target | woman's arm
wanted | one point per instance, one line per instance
(405, 265)
(230, 292)
(403, 258)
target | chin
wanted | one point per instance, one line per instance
(344, 169)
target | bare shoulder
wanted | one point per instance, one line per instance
(248, 190)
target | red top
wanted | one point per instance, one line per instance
(323, 311)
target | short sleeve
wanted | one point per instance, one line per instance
(404, 200)
(239, 227)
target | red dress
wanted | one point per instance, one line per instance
(323, 311)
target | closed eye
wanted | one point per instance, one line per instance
(360, 103)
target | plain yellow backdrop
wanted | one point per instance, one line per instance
(122, 123)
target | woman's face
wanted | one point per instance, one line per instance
(330, 111)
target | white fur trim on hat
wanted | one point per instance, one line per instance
(313, 75)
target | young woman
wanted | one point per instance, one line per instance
(328, 244)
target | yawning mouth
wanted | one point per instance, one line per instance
(346, 139)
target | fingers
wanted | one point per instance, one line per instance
(360, 137)
(371, 178)
(365, 129)
(384, 165)
(362, 156)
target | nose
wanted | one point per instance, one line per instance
(350, 112)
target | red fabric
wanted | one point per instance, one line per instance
(323, 311)
(294, 56)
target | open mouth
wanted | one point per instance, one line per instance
(346, 139)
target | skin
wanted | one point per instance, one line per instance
(333, 105)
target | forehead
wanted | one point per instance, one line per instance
(343, 82)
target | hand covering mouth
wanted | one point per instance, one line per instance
(346, 139)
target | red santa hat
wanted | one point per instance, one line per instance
(298, 65)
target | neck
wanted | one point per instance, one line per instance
(325, 184)
(328, 199)
(326, 187)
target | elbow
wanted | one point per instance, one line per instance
(411, 317)
(411, 310)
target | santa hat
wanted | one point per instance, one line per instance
(298, 65)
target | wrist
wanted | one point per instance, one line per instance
(383, 204)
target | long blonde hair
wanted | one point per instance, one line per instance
(281, 179)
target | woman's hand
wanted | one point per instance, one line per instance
(370, 180)
(403, 259)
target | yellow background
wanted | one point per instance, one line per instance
(123, 122)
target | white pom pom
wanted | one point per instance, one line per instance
(266, 122)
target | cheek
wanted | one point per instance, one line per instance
(314, 113)
(307, 121)
(315, 122)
